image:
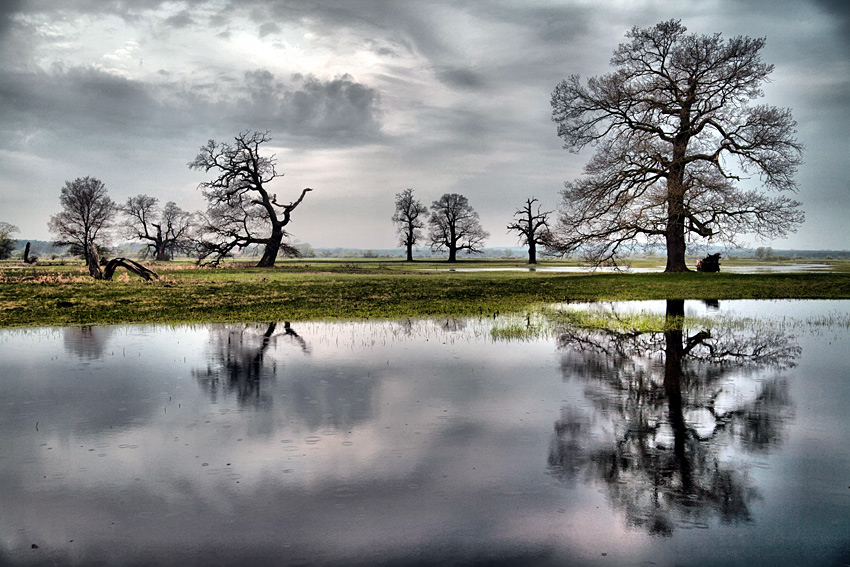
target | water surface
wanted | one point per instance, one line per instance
(791, 268)
(719, 441)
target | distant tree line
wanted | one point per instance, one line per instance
(454, 226)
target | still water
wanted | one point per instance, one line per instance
(720, 440)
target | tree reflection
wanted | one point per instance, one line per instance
(671, 416)
(86, 342)
(238, 361)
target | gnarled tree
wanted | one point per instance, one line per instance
(409, 217)
(241, 209)
(454, 226)
(675, 133)
(87, 215)
(532, 226)
(165, 230)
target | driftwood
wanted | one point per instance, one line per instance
(710, 263)
(132, 266)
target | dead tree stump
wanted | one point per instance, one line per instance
(27, 258)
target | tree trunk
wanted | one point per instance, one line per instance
(675, 232)
(272, 247)
(93, 262)
(676, 246)
(161, 254)
(673, 358)
(532, 251)
(452, 253)
(27, 258)
(409, 252)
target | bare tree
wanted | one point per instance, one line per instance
(241, 210)
(87, 215)
(454, 226)
(7, 243)
(532, 226)
(675, 133)
(409, 217)
(165, 229)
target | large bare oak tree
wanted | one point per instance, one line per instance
(241, 209)
(675, 137)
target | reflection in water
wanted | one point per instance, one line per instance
(665, 415)
(86, 342)
(238, 362)
(425, 442)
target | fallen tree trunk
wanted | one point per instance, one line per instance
(132, 266)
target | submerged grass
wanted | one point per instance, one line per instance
(308, 290)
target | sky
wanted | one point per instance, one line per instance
(365, 98)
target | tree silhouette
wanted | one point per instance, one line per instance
(666, 400)
(532, 226)
(454, 226)
(165, 230)
(674, 133)
(242, 211)
(7, 243)
(410, 216)
(238, 361)
(87, 215)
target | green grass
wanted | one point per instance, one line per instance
(316, 289)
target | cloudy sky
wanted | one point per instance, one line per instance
(364, 98)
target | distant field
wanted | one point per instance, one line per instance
(54, 295)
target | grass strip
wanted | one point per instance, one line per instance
(200, 296)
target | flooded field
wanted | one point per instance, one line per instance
(640, 433)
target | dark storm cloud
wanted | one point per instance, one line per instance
(92, 104)
(83, 101)
(339, 109)
(7, 9)
(268, 28)
(840, 11)
(182, 19)
(460, 78)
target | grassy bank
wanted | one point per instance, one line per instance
(63, 295)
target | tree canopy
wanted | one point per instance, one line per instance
(86, 217)
(410, 216)
(7, 243)
(532, 226)
(454, 226)
(165, 230)
(676, 139)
